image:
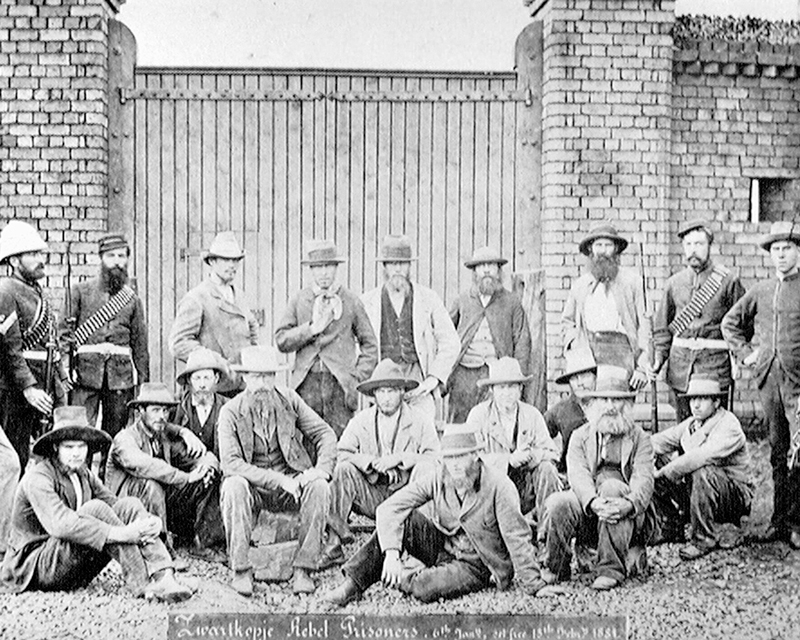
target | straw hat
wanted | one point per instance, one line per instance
(71, 423)
(396, 249)
(224, 245)
(19, 237)
(603, 230)
(322, 252)
(260, 359)
(612, 382)
(387, 374)
(153, 393)
(459, 440)
(506, 370)
(485, 255)
(783, 230)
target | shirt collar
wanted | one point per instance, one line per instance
(788, 276)
(332, 290)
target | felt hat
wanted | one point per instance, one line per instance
(506, 370)
(459, 440)
(783, 230)
(577, 361)
(485, 255)
(260, 359)
(112, 241)
(612, 382)
(396, 249)
(387, 374)
(71, 423)
(322, 252)
(19, 237)
(203, 358)
(153, 393)
(602, 230)
(700, 387)
(224, 245)
(693, 225)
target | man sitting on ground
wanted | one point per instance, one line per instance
(706, 482)
(66, 526)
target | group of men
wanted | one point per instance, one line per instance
(504, 492)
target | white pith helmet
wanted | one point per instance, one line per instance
(19, 237)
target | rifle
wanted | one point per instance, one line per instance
(46, 421)
(648, 318)
(70, 321)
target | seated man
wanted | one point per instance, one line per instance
(170, 471)
(265, 464)
(515, 436)
(477, 534)
(610, 473)
(66, 526)
(567, 415)
(706, 482)
(199, 408)
(378, 450)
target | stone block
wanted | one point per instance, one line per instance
(274, 545)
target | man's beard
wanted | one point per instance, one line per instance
(203, 397)
(610, 421)
(487, 285)
(398, 283)
(31, 275)
(697, 263)
(113, 278)
(605, 268)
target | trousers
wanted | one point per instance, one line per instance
(322, 392)
(464, 392)
(9, 477)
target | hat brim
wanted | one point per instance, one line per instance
(586, 243)
(320, 262)
(564, 377)
(629, 395)
(161, 403)
(183, 376)
(486, 382)
(95, 438)
(721, 394)
(692, 227)
(245, 369)
(454, 453)
(766, 242)
(368, 387)
(471, 264)
(208, 256)
(411, 259)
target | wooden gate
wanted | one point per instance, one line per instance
(284, 156)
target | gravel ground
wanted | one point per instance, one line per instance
(750, 592)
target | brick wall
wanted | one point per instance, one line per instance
(53, 123)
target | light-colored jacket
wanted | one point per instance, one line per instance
(532, 435)
(719, 441)
(416, 440)
(435, 338)
(206, 318)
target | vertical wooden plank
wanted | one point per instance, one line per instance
(182, 212)
(331, 159)
(153, 225)
(208, 159)
(469, 226)
(194, 241)
(508, 200)
(411, 178)
(298, 216)
(167, 215)
(264, 276)
(313, 128)
(372, 142)
(281, 208)
(384, 168)
(237, 168)
(493, 191)
(223, 217)
(361, 246)
(397, 145)
(140, 237)
(530, 287)
(436, 276)
(345, 219)
(451, 266)
(481, 169)
(426, 169)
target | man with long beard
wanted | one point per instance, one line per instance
(412, 325)
(492, 324)
(605, 307)
(610, 471)
(110, 339)
(686, 328)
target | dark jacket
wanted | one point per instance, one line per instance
(681, 362)
(490, 517)
(563, 418)
(347, 346)
(186, 416)
(771, 311)
(507, 320)
(236, 438)
(44, 507)
(126, 329)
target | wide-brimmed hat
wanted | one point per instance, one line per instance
(603, 230)
(459, 440)
(387, 374)
(783, 230)
(203, 358)
(485, 255)
(694, 224)
(506, 370)
(396, 249)
(153, 393)
(577, 361)
(260, 359)
(111, 242)
(19, 237)
(71, 423)
(224, 245)
(701, 387)
(612, 382)
(322, 252)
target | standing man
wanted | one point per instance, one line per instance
(109, 338)
(266, 466)
(30, 329)
(770, 311)
(702, 471)
(412, 325)
(327, 326)
(515, 436)
(686, 329)
(610, 471)
(214, 314)
(605, 307)
(492, 324)
(378, 451)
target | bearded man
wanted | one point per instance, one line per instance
(605, 307)
(610, 473)
(687, 327)
(110, 339)
(491, 324)
(412, 325)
